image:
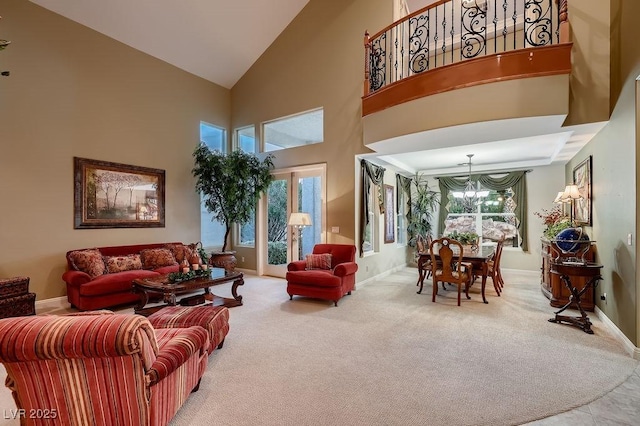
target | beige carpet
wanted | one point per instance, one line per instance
(388, 356)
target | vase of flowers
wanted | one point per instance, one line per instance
(555, 221)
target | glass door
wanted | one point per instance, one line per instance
(296, 190)
(278, 208)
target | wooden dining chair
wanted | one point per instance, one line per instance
(450, 269)
(494, 268)
(422, 250)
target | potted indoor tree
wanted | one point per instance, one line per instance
(423, 204)
(230, 185)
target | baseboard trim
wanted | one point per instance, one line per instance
(382, 275)
(619, 335)
(247, 271)
(522, 271)
(53, 303)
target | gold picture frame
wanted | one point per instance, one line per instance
(113, 195)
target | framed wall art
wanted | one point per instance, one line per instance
(389, 215)
(112, 195)
(582, 206)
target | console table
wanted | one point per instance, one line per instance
(591, 273)
(552, 286)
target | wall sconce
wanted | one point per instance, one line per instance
(299, 220)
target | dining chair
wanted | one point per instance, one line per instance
(422, 249)
(494, 268)
(450, 268)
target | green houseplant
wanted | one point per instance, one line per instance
(465, 238)
(230, 184)
(423, 203)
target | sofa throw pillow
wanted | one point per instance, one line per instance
(88, 261)
(181, 252)
(318, 261)
(157, 258)
(122, 263)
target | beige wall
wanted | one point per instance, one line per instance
(317, 62)
(590, 22)
(74, 92)
(615, 192)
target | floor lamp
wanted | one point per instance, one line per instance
(298, 221)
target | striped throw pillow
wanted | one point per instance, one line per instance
(318, 261)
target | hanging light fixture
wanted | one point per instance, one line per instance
(470, 197)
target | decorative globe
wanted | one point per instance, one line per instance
(569, 239)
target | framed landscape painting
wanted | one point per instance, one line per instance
(113, 195)
(582, 206)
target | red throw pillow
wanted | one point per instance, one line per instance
(122, 263)
(181, 252)
(318, 261)
(88, 261)
(157, 258)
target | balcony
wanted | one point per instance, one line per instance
(460, 65)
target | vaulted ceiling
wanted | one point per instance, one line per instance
(217, 40)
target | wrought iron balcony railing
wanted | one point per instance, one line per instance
(451, 31)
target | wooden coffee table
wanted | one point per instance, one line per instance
(160, 285)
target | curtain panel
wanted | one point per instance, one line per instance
(517, 181)
(403, 183)
(371, 175)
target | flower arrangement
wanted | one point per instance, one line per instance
(178, 277)
(554, 220)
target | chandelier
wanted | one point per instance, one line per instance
(470, 197)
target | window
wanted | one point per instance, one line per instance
(368, 245)
(211, 231)
(401, 219)
(493, 218)
(297, 130)
(245, 140)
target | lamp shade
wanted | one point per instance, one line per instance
(571, 192)
(300, 219)
(559, 197)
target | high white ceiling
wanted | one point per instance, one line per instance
(217, 40)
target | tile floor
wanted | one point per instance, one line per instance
(621, 406)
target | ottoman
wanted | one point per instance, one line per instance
(215, 319)
(15, 299)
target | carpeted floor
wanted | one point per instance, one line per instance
(388, 356)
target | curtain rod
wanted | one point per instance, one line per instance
(485, 173)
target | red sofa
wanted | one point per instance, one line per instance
(93, 286)
(336, 278)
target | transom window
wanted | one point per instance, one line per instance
(296, 130)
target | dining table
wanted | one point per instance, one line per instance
(479, 259)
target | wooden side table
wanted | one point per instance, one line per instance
(567, 270)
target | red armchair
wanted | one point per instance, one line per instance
(331, 283)
(100, 368)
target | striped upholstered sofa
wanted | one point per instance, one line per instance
(100, 369)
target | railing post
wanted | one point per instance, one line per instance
(563, 18)
(367, 62)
